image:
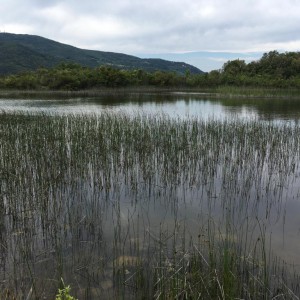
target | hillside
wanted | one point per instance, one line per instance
(22, 52)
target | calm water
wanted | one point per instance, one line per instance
(173, 104)
(139, 211)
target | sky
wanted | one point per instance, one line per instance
(203, 33)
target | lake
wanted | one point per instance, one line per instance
(179, 104)
(150, 195)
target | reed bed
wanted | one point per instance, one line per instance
(286, 93)
(138, 207)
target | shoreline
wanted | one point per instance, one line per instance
(218, 92)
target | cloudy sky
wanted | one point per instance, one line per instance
(203, 33)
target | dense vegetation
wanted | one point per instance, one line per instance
(22, 53)
(128, 207)
(274, 69)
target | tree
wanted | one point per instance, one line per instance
(234, 67)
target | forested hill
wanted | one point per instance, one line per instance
(22, 52)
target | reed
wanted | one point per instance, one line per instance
(132, 206)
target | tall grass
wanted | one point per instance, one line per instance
(257, 92)
(140, 207)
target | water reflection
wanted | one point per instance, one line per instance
(80, 196)
(173, 104)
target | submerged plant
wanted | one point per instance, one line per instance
(132, 206)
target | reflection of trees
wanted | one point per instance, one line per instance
(268, 109)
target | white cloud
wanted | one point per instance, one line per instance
(164, 26)
(57, 14)
(17, 28)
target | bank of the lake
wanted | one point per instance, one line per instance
(224, 91)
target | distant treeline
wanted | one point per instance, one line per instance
(274, 69)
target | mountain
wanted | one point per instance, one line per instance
(23, 52)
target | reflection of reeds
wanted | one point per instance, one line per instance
(136, 206)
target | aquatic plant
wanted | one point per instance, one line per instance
(64, 293)
(134, 206)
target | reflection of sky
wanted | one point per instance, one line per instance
(182, 106)
(199, 109)
(284, 234)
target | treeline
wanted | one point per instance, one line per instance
(70, 76)
(274, 69)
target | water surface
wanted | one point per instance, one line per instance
(181, 105)
(79, 209)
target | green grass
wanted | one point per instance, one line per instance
(133, 207)
(230, 94)
(257, 92)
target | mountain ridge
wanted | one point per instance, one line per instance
(24, 52)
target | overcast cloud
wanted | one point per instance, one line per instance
(165, 27)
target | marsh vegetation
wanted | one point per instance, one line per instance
(140, 207)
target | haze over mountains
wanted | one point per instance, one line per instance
(22, 52)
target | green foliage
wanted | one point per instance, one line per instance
(273, 70)
(23, 53)
(70, 76)
(234, 67)
(64, 293)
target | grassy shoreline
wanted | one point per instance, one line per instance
(218, 92)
